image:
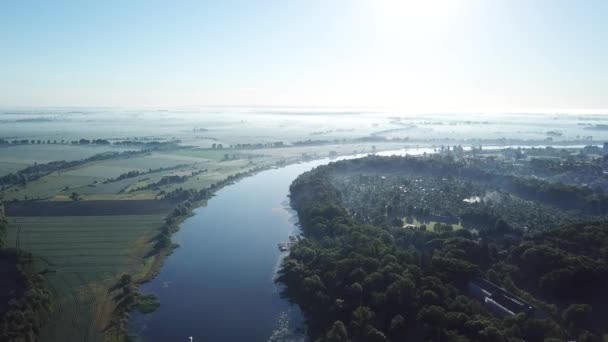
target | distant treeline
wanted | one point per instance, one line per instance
(311, 142)
(166, 180)
(372, 138)
(136, 173)
(598, 127)
(136, 142)
(150, 145)
(37, 171)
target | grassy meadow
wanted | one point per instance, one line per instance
(15, 158)
(82, 257)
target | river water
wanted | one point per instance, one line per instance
(218, 285)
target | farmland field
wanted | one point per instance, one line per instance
(86, 208)
(89, 178)
(114, 167)
(217, 172)
(18, 157)
(217, 154)
(82, 257)
(11, 167)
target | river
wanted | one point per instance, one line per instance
(218, 285)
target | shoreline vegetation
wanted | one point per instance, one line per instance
(130, 298)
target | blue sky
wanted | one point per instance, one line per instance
(452, 55)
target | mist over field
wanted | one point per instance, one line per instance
(262, 125)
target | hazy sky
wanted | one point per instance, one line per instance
(427, 55)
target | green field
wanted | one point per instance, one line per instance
(11, 167)
(211, 154)
(18, 157)
(113, 167)
(88, 179)
(83, 255)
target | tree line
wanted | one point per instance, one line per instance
(36, 171)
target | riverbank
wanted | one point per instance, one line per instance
(225, 267)
(195, 201)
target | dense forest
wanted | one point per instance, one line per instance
(25, 301)
(578, 198)
(358, 281)
(398, 198)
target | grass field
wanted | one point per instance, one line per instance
(83, 256)
(86, 208)
(211, 154)
(216, 172)
(11, 167)
(113, 167)
(88, 178)
(15, 158)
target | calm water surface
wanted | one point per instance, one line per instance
(218, 286)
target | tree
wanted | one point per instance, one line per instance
(337, 333)
(491, 334)
(432, 319)
(430, 297)
(578, 316)
(361, 317)
(501, 226)
(374, 335)
(125, 279)
(75, 196)
(401, 292)
(587, 336)
(398, 327)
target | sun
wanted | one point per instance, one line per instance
(414, 19)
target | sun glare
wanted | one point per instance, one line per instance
(414, 19)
